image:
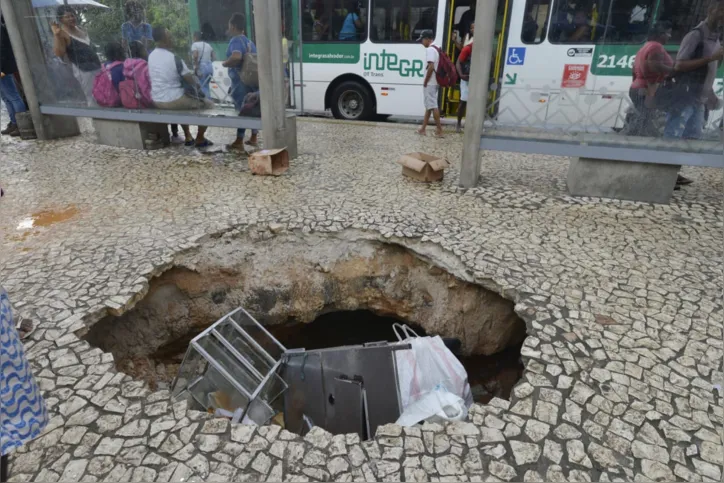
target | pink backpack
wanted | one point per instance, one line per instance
(136, 89)
(104, 92)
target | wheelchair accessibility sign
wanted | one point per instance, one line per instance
(516, 56)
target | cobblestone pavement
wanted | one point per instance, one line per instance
(622, 302)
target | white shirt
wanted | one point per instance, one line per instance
(431, 55)
(204, 51)
(165, 80)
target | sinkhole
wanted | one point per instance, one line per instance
(316, 291)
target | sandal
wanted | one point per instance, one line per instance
(190, 143)
(204, 144)
(25, 327)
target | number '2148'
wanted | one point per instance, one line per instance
(612, 61)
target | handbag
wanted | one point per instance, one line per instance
(201, 56)
(249, 72)
(681, 89)
(190, 90)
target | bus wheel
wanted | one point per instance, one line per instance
(352, 101)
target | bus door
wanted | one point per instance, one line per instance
(458, 8)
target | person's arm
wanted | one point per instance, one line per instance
(656, 62)
(684, 62)
(235, 59)
(192, 79)
(357, 21)
(689, 65)
(60, 40)
(195, 57)
(429, 73)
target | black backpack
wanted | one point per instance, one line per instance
(680, 89)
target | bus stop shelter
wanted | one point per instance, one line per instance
(56, 87)
(578, 111)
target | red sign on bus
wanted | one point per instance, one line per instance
(574, 76)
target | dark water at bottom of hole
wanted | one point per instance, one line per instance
(489, 376)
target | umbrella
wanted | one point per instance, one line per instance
(55, 3)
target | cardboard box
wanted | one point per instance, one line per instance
(423, 167)
(267, 162)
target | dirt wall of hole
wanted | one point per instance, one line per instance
(295, 277)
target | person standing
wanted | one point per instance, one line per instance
(23, 414)
(135, 29)
(352, 22)
(430, 86)
(203, 56)
(239, 46)
(8, 88)
(695, 69)
(465, 28)
(73, 43)
(652, 66)
(463, 68)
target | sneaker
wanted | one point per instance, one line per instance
(177, 139)
(9, 128)
(682, 181)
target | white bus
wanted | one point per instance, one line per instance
(564, 63)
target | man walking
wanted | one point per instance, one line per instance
(695, 69)
(430, 86)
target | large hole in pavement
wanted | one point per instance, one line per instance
(315, 291)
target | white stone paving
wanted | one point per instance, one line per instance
(622, 302)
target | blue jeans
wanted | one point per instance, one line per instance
(238, 93)
(206, 72)
(686, 122)
(11, 97)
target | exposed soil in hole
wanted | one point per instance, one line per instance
(353, 288)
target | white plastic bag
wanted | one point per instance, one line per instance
(428, 366)
(435, 406)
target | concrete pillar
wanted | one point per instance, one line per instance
(28, 49)
(485, 16)
(274, 119)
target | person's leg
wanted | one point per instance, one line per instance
(12, 125)
(254, 139)
(676, 121)
(200, 135)
(438, 122)
(187, 133)
(238, 93)
(4, 468)
(461, 112)
(10, 94)
(695, 124)
(425, 122)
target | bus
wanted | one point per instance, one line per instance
(563, 63)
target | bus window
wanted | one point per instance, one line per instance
(684, 16)
(402, 20)
(336, 21)
(601, 21)
(214, 17)
(535, 21)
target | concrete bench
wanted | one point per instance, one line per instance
(130, 128)
(610, 165)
